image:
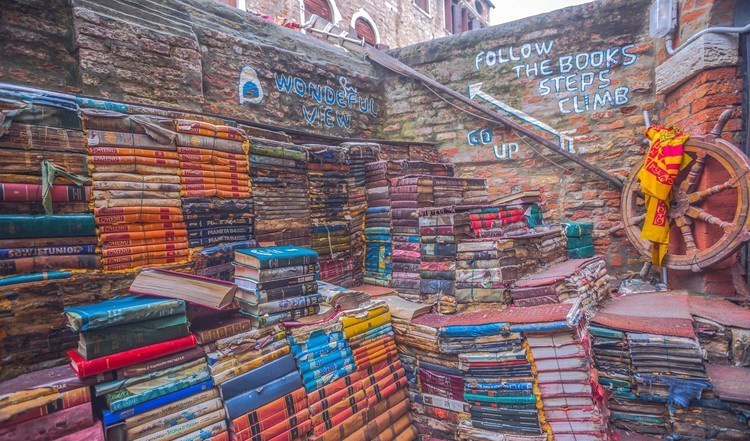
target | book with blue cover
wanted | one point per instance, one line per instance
(275, 257)
(253, 399)
(120, 311)
(257, 377)
(109, 418)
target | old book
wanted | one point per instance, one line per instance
(275, 257)
(209, 332)
(271, 274)
(160, 363)
(51, 426)
(38, 226)
(255, 398)
(40, 406)
(85, 368)
(120, 311)
(47, 263)
(106, 341)
(196, 289)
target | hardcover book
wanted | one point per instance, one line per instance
(120, 311)
(85, 368)
(271, 274)
(275, 257)
(204, 291)
(106, 341)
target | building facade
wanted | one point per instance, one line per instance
(391, 23)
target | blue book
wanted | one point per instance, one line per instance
(317, 383)
(275, 257)
(110, 418)
(257, 377)
(120, 311)
(327, 369)
(253, 399)
(322, 362)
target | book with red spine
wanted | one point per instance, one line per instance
(33, 193)
(56, 403)
(85, 368)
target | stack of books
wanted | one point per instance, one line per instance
(162, 387)
(580, 239)
(49, 404)
(215, 183)
(378, 267)
(327, 174)
(276, 284)
(280, 192)
(136, 190)
(216, 261)
(359, 155)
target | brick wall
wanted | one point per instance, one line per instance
(195, 55)
(399, 22)
(609, 136)
(694, 105)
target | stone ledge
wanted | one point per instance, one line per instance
(708, 52)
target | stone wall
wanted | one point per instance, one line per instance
(195, 55)
(594, 108)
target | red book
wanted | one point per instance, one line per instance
(330, 389)
(85, 368)
(52, 426)
(268, 433)
(326, 403)
(294, 433)
(287, 405)
(223, 436)
(377, 394)
(33, 193)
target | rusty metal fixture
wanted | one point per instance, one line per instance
(688, 196)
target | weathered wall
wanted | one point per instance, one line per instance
(585, 73)
(197, 55)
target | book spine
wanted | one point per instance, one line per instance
(276, 262)
(41, 226)
(287, 304)
(57, 425)
(192, 243)
(257, 377)
(255, 398)
(129, 340)
(171, 408)
(86, 368)
(15, 253)
(124, 398)
(110, 418)
(33, 192)
(271, 274)
(188, 427)
(262, 286)
(285, 406)
(45, 263)
(219, 223)
(289, 291)
(65, 400)
(217, 430)
(219, 231)
(209, 335)
(177, 418)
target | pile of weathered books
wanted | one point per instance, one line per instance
(43, 172)
(276, 283)
(378, 266)
(492, 221)
(136, 174)
(449, 191)
(360, 154)
(215, 182)
(649, 354)
(439, 236)
(577, 278)
(278, 173)
(49, 404)
(216, 261)
(134, 339)
(327, 174)
(580, 239)
(409, 193)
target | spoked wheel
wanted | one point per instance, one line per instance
(710, 200)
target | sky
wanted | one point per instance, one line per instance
(510, 10)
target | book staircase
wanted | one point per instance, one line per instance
(246, 318)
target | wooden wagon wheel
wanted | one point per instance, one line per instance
(690, 196)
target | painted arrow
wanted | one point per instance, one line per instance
(565, 142)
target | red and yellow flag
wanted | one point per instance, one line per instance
(664, 161)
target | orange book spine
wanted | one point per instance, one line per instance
(210, 153)
(289, 403)
(330, 389)
(134, 228)
(357, 401)
(124, 251)
(212, 167)
(213, 174)
(148, 256)
(121, 151)
(395, 371)
(140, 263)
(223, 436)
(191, 180)
(343, 394)
(141, 242)
(115, 211)
(139, 218)
(211, 159)
(143, 235)
(135, 160)
(384, 389)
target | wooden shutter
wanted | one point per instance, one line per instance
(364, 30)
(321, 8)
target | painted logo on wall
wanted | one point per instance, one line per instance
(250, 91)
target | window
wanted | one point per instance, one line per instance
(478, 7)
(424, 5)
(456, 17)
(321, 8)
(365, 30)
